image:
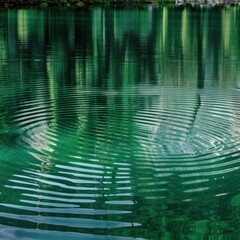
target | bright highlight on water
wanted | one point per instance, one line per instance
(120, 123)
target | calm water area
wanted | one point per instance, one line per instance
(120, 123)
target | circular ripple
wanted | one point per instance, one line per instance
(97, 159)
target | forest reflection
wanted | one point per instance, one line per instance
(135, 47)
(132, 110)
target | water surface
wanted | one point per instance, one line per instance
(120, 123)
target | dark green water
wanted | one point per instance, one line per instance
(120, 124)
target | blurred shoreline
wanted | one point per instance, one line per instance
(88, 3)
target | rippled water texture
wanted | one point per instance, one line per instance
(120, 123)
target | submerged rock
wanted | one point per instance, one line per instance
(235, 202)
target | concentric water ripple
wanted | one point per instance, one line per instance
(93, 162)
(119, 124)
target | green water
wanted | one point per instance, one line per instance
(120, 123)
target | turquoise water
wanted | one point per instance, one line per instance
(120, 123)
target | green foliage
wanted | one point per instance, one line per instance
(43, 5)
(80, 4)
(76, 3)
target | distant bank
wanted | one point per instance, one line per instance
(74, 3)
(86, 3)
(67, 3)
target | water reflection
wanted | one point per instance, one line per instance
(117, 48)
(119, 123)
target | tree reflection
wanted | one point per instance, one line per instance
(86, 72)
